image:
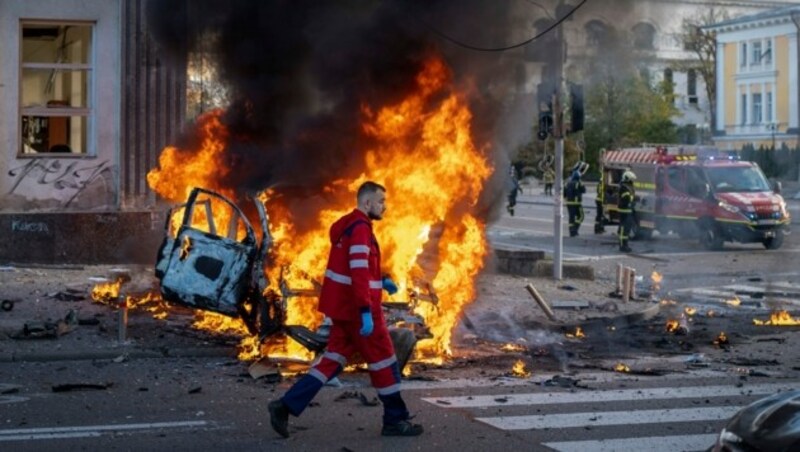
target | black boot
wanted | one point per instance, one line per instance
(279, 417)
(402, 428)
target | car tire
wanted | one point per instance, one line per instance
(773, 243)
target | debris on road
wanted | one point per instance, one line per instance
(67, 387)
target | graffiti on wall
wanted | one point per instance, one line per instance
(75, 176)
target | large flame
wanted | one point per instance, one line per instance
(424, 154)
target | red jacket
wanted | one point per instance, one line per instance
(353, 276)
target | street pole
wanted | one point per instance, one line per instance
(558, 190)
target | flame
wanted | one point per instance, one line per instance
(721, 340)
(656, 278)
(105, 292)
(711, 313)
(778, 318)
(672, 325)
(621, 367)
(578, 334)
(511, 347)
(735, 302)
(519, 370)
(690, 310)
(422, 150)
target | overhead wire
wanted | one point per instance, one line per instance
(501, 49)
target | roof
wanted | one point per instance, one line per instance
(785, 13)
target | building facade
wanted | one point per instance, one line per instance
(656, 43)
(87, 107)
(757, 80)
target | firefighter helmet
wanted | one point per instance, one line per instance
(628, 176)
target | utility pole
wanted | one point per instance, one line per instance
(558, 134)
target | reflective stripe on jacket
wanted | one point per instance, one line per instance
(353, 275)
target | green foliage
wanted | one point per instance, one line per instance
(782, 163)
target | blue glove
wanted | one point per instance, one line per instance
(389, 285)
(366, 322)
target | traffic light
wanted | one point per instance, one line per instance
(545, 125)
(544, 96)
(576, 106)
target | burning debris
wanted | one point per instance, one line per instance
(519, 370)
(513, 348)
(578, 334)
(722, 340)
(622, 367)
(778, 318)
(735, 302)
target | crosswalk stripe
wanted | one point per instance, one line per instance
(604, 396)
(650, 444)
(19, 434)
(605, 418)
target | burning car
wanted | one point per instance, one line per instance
(206, 265)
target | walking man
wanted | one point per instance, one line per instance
(625, 207)
(573, 192)
(351, 297)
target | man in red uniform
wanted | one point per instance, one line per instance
(351, 297)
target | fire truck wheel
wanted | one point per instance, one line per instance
(711, 237)
(773, 243)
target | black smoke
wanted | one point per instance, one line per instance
(300, 72)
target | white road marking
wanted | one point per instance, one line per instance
(88, 430)
(551, 398)
(604, 418)
(650, 444)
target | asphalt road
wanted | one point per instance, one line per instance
(213, 404)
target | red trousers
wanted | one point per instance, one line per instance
(376, 349)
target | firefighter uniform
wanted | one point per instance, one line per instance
(625, 207)
(573, 192)
(352, 284)
(599, 218)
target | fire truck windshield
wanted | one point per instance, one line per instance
(737, 179)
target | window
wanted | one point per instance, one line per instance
(743, 110)
(769, 107)
(743, 55)
(768, 52)
(644, 36)
(675, 179)
(668, 75)
(55, 87)
(596, 33)
(756, 49)
(757, 118)
(691, 86)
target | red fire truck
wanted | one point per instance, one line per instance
(697, 192)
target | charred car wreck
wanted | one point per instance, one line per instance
(220, 268)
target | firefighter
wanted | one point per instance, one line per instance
(573, 192)
(548, 176)
(625, 207)
(351, 297)
(514, 188)
(599, 218)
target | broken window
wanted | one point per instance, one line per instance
(55, 87)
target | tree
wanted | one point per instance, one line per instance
(703, 44)
(622, 107)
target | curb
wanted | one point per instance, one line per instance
(618, 322)
(95, 354)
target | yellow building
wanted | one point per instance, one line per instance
(757, 80)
